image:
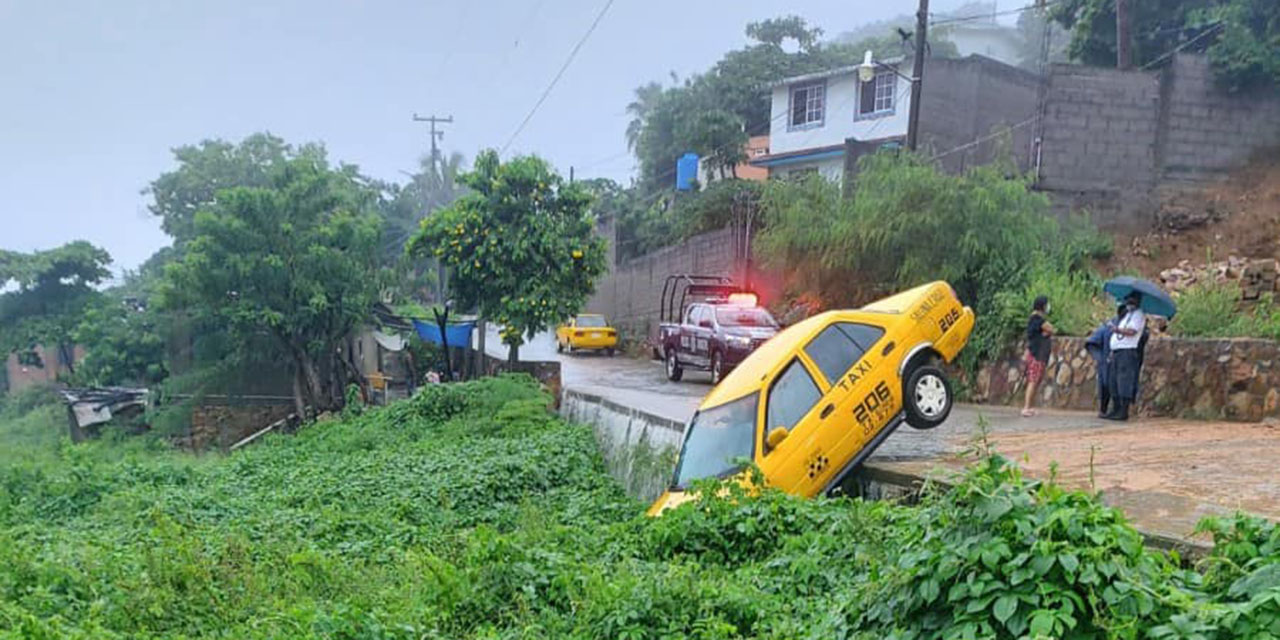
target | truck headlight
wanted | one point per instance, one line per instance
(738, 342)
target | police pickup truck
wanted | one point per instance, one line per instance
(709, 324)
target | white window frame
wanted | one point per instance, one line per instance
(810, 108)
(885, 86)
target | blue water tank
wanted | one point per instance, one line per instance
(686, 171)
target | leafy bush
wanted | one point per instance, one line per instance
(1077, 304)
(908, 223)
(1214, 311)
(469, 511)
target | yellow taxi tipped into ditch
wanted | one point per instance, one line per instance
(586, 331)
(808, 406)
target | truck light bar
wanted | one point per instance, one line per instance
(744, 299)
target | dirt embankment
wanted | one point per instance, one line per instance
(1237, 216)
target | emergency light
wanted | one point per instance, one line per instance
(744, 299)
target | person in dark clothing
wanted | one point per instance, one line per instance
(1039, 332)
(1098, 346)
(1126, 358)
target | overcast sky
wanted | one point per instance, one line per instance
(94, 94)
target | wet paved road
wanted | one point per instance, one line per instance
(1165, 474)
(642, 384)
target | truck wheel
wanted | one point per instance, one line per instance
(674, 370)
(926, 397)
(717, 367)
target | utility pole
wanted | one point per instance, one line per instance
(1123, 55)
(435, 135)
(917, 75)
(441, 275)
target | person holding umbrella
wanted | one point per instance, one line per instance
(1125, 360)
(1141, 298)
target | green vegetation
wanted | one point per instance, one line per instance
(990, 236)
(520, 244)
(471, 512)
(44, 294)
(1241, 37)
(1215, 311)
(287, 268)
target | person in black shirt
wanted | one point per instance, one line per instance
(1039, 332)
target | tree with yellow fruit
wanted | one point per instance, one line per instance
(519, 246)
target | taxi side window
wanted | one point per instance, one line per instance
(838, 347)
(863, 334)
(792, 395)
(834, 352)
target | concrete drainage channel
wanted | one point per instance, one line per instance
(640, 448)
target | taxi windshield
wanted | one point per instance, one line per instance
(591, 321)
(744, 317)
(717, 438)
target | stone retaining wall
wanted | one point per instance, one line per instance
(1233, 379)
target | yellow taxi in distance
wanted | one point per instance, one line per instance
(808, 406)
(586, 331)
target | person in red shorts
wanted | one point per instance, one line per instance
(1039, 333)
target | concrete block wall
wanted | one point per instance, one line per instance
(1209, 130)
(630, 293)
(969, 98)
(1100, 133)
(1115, 139)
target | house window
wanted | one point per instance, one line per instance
(808, 104)
(877, 97)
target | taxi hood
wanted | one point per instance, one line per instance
(668, 500)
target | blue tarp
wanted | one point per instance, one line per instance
(459, 334)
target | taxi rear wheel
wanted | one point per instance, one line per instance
(559, 347)
(927, 397)
(674, 370)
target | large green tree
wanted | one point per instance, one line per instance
(206, 168)
(45, 294)
(1242, 37)
(520, 245)
(124, 342)
(290, 264)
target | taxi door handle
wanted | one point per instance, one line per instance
(826, 411)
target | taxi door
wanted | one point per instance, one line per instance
(792, 401)
(862, 395)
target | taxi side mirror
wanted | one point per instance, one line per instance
(776, 436)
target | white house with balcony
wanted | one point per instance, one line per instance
(815, 114)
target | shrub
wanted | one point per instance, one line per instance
(908, 223)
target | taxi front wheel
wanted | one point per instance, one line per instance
(927, 397)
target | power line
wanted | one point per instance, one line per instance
(564, 67)
(987, 16)
(978, 141)
(1210, 29)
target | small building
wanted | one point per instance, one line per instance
(822, 121)
(40, 366)
(756, 147)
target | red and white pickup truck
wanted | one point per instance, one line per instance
(714, 326)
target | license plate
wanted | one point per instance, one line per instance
(595, 334)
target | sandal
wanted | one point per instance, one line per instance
(1028, 413)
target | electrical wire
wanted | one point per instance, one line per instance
(987, 16)
(1210, 29)
(559, 74)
